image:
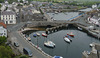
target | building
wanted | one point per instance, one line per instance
(8, 17)
(95, 53)
(3, 30)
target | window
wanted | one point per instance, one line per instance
(11, 21)
(4, 33)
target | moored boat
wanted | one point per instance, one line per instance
(44, 34)
(69, 37)
(71, 34)
(49, 44)
(80, 28)
(57, 57)
(67, 40)
(92, 44)
(29, 38)
(38, 34)
(34, 34)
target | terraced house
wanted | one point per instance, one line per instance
(8, 17)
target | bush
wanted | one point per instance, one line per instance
(3, 39)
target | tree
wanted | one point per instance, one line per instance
(3, 39)
(1, 1)
(5, 52)
(21, 1)
(0, 5)
(23, 56)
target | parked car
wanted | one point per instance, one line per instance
(27, 51)
(16, 44)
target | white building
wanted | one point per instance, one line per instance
(3, 31)
(8, 17)
(94, 6)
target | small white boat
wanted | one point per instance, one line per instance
(80, 28)
(38, 34)
(56, 12)
(57, 57)
(52, 43)
(44, 34)
(67, 40)
(29, 38)
(49, 44)
(91, 45)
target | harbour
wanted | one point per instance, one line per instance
(63, 48)
(50, 29)
(57, 30)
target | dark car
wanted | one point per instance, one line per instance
(16, 44)
(27, 52)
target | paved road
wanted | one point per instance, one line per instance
(22, 42)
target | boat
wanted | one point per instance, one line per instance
(49, 44)
(29, 38)
(44, 34)
(92, 44)
(57, 57)
(67, 40)
(34, 34)
(69, 37)
(71, 34)
(80, 28)
(38, 34)
(56, 12)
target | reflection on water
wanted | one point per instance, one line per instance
(79, 43)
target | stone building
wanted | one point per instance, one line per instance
(8, 17)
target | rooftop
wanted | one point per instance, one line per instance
(7, 12)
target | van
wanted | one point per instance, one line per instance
(27, 52)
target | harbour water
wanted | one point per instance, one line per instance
(79, 43)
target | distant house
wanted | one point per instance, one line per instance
(3, 30)
(8, 17)
(30, 13)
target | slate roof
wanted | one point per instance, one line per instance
(8, 12)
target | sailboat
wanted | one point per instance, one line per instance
(71, 34)
(67, 40)
(38, 34)
(69, 37)
(49, 44)
(44, 34)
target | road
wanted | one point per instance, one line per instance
(22, 42)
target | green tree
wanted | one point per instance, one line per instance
(1, 1)
(21, 1)
(5, 52)
(23, 56)
(0, 5)
(3, 39)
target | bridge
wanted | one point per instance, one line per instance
(47, 23)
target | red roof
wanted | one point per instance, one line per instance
(2, 24)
